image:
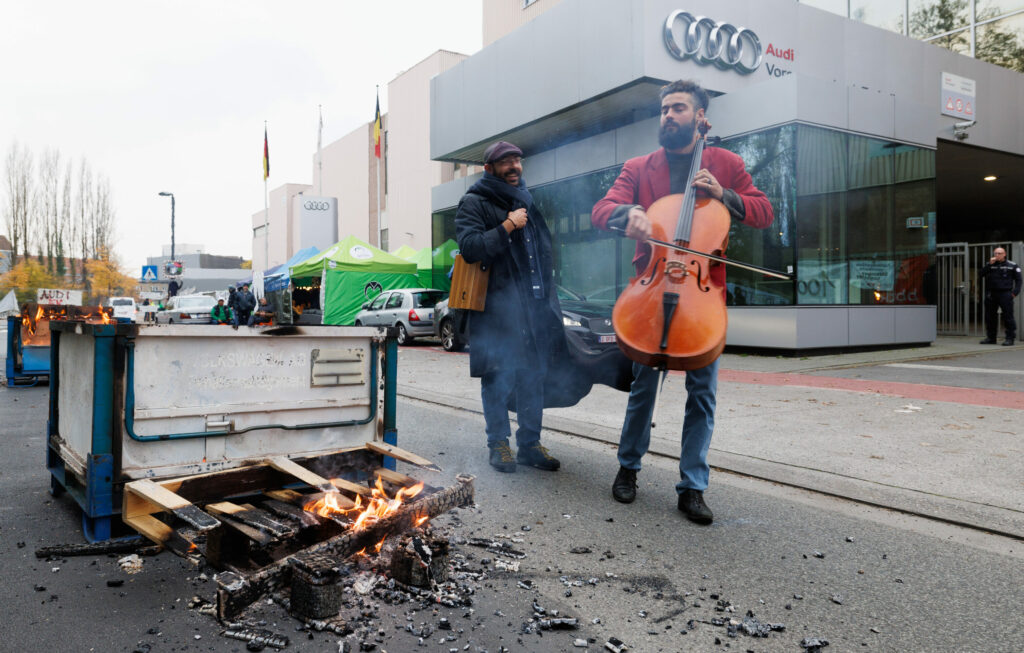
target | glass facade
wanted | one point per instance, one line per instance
(991, 30)
(854, 219)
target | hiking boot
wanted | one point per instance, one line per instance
(691, 503)
(624, 485)
(537, 456)
(501, 457)
(1008, 342)
(988, 341)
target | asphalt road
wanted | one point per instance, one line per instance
(920, 585)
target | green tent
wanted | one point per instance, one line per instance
(422, 259)
(442, 260)
(405, 252)
(353, 272)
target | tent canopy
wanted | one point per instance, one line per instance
(405, 252)
(277, 278)
(423, 259)
(442, 260)
(354, 255)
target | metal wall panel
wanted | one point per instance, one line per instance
(821, 327)
(762, 327)
(637, 139)
(583, 156)
(872, 325)
(539, 168)
(914, 324)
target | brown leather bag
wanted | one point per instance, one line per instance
(469, 285)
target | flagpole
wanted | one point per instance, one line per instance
(266, 204)
(319, 155)
(380, 243)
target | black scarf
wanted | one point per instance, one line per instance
(524, 241)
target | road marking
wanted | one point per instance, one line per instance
(950, 368)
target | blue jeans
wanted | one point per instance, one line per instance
(698, 423)
(495, 389)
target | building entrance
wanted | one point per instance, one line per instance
(960, 295)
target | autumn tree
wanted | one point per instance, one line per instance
(106, 279)
(25, 279)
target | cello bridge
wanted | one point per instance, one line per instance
(676, 271)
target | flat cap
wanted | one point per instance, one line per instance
(500, 150)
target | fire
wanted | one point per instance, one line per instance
(421, 520)
(39, 313)
(367, 512)
(106, 318)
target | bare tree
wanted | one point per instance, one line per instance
(64, 221)
(20, 183)
(82, 218)
(48, 205)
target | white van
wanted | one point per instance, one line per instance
(124, 308)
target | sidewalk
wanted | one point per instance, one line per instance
(954, 461)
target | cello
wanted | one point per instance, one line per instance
(673, 316)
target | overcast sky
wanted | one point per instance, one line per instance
(172, 96)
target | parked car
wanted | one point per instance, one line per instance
(586, 322)
(186, 309)
(411, 310)
(123, 308)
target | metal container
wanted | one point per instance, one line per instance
(154, 401)
(25, 362)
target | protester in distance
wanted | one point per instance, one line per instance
(644, 180)
(1002, 284)
(264, 314)
(220, 314)
(245, 302)
(498, 225)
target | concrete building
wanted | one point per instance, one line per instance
(201, 272)
(349, 173)
(873, 146)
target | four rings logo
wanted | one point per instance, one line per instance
(707, 41)
(310, 205)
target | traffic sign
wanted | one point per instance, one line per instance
(149, 273)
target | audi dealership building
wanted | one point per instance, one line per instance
(872, 146)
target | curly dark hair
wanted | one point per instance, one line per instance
(687, 86)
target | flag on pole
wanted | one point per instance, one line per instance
(266, 155)
(376, 129)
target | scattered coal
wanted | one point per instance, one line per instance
(813, 644)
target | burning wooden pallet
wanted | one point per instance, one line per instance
(286, 510)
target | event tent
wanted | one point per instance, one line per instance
(422, 259)
(442, 260)
(277, 277)
(352, 273)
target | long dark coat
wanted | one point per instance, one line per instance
(516, 330)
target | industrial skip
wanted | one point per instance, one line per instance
(259, 449)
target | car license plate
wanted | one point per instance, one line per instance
(610, 338)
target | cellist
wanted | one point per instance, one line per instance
(643, 180)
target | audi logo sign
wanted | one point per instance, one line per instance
(316, 206)
(708, 41)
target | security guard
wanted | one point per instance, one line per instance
(1002, 283)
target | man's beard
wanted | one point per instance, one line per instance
(678, 138)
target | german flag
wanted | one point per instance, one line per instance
(266, 155)
(376, 129)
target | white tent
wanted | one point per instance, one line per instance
(9, 305)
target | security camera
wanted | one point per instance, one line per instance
(960, 126)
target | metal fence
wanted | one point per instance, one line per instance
(961, 291)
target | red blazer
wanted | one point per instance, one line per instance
(645, 179)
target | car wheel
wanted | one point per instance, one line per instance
(358, 323)
(403, 335)
(449, 339)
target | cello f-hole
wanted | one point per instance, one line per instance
(654, 271)
(702, 281)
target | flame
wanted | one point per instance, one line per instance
(367, 512)
(421, 520)
(106, 318)
(39, 313)
(380, 544)
(878, 296)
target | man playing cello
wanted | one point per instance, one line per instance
(644, 180)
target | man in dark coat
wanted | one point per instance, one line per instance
(245, 301)
(1002, 284)
(512, 340)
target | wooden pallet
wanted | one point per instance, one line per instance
(282, 487)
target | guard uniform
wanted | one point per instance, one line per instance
(1002, 284)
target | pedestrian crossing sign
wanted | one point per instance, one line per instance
(149, 273)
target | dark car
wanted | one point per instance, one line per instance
(589, 324)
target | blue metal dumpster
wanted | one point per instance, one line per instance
(130, 402)
(26, 363)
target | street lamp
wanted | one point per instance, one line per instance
(171, 195)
